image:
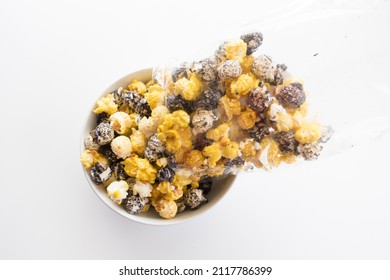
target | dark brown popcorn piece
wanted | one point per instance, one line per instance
(259, 130)
(253, 41)
(292, 96)
(209, 99)
(259, 99)
(286, 141)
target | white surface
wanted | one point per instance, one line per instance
(56, 57)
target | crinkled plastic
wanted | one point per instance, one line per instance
(340, 108)
(316, 86)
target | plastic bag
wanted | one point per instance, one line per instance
(201, 118)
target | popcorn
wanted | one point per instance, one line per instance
(120, 122)
(253, 41)
(137, 86)
(106, 104)
(207, 69)
(202, 121)
(229, 108)
(162, 144)
(119, 171)
(155, 96)
(142, 189)
(286, 141)
(89, 158)
(121, 146)
(189, 89)
(165, 174)
(147, 126)
(308, 133)
(170, 191)
(292, 96)
(137, 103)
(90, 144)
(235, 49)
(229, 69)
(259, 99)
(102, 134)
(247, 119)
(194, 158)
(310, 151)
(166, 208)
(117, 191)
(154, 149)
(194, 198)
(209, 99)
(140, 168)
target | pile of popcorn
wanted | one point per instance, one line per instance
(163, 143)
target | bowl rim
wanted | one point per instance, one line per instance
(140, 218)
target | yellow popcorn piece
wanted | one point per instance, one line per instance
(213, 153)
(137, 86)
(90, 157)
(246, 64)
(216, 171)
(155, 96)
(162, 162)
(247, 119)
(243, 85)
(229, 148)
(269, 154)
(170, 191)
(194, 158)
(248, 150)
(216, 134)
(138, 141)
(285, 122)
(308, 133)
(189, 89)
(235, 49)
(106, 105)
(166, 208)
(140, 168)
(182, 179)
(149, 83)
(229, 108)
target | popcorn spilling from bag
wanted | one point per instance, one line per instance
(164, 142)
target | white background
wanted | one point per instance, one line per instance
(57, 56)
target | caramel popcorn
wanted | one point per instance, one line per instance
(247, 119)
(160, 145)
(138, 142)
(140, 168)
(137, 86)
(106, 105)
(243, 85)
(189, 89)
(235, 49)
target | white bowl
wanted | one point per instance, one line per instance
(219, 189)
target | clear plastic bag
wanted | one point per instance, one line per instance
(343, 105)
